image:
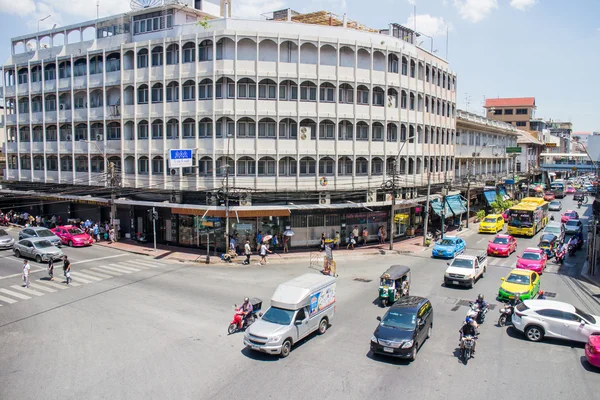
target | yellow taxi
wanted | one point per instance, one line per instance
(492, 223)
(524, 282)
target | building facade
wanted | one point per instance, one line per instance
(281, 111)
(515, 111)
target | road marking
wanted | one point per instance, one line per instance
(80, 276)
(119, 270)
(20, 274)
(132, 265)
(480, 240)
(7, 300)
(44, 288)
(94, 273)
(97, 259)
(120, 267)
(23, 289)
(72, 283)
(144, 263)
(50, 283)
(15, 294)
(79, 279)
(104, 270)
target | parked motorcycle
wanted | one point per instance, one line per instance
(468, 342)
(477, 314)
(506, 313)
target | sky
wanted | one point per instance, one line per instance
(547, 49)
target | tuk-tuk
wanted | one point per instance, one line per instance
(394, 283)
(549, 242)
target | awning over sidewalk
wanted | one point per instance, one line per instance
(436, 206)
(457, 205)
(490, 196)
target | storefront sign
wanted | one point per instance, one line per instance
(401, 218)
(244, 227)
(550, 144)
(180, 158)
(513, 150)
(78, 201)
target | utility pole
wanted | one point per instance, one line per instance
(427, 208)
(227, 203)
(444, 194)
(154, 218)
(112, 178)
(392, 213)
(468, 191)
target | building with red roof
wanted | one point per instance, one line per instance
(517, 111)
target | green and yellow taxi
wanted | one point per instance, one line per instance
(524, 282)
(492, 223)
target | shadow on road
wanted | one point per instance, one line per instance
(516, 334)
(587, 366)
(388, 360)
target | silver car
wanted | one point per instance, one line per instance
(6, 241)
(39, 249)
(40, 232)
(555, 205)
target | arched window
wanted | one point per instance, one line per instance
(205, 128)
(50, 103)
(288, 166)
(205, 166)
(189, 128)
(411, 134)
(172, 92)
(346, 94)
(81, 164)
(223, 164)
(404, 66)
(327, 92)
(246, 89)
(173, 54)
(362, 131)
(392, 133)
(362, 95)
(97, 164)
(143, 165)
(79, 67)
(157, 93)
(345, 130)
(188, 91)
(308, 166)
(205, 50)
(25, 161)
(266, 166)
(95, 65)
(413, 69)
(403, 99)
(36, 74)
(267, 89)
(327, 130)
(288, 129)
(246, 127)
(345, 166)
(157, 56)
(326, 166)
(172, 129)
(267, 128)
(52, 163)
(362, 166)
(97, 130)
(157, 129)
(403, 133)
(205, 89)
(24, 134)
(288, 90)
(158, 165)
(189, 53)
(308, 91)
(142, 94)
(81, 132)
(66, 163)
(378, 96)
(38, 134)
(142, 130)
(224, 127)
(51, 133)
(142, 58)
(392, 99)
(412, 101)
(38, 163)
(393, 63)
(377, 134)
(50, 72)
(376, 166)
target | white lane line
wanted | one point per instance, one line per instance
(132, 265)
(20, 274)
(120, 267)
(40, 287)
(50, 283)
(15, 294)
(80, 276)
(117, 270)
(480, 240)
(97, 259)
(7, 300)
(25, 290)
(73, 283)
(150, 264)
(94, 273)
(104, 270)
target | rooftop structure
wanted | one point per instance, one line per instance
(518, 111)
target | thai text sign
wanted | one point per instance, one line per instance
(179, 158)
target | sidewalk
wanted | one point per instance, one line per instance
(593, 279)
(183, 254)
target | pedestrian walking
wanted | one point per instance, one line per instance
(322, 245)
(336, 240)
(67, 269)
(51, 269)
(96, 233)
(379, 232)
(263, 253)
(286, 244)
(365, 235)
(259, 238)
(274, 241)
(355, 232)
(111, 235)
(351, 241)
(247, 252)
(26, 269)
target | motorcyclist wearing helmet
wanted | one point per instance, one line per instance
(481, 305)
(541, 295)
(515, 300)
(247, 310)
(468, 329)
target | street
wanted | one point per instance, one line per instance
(133, 327)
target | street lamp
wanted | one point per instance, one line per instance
(43, 19)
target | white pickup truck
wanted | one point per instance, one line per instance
(465, 269)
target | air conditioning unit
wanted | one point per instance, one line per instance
(371, 196)
(99, 136)
(174, 172)
(175, 197)
(305, 132)
(211, 199)
(246, 201)
(324, 198)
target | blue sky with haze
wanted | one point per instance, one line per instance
(549, 49)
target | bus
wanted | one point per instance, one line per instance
(558, 188)
(528, 217)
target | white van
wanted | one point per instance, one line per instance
(298, 308)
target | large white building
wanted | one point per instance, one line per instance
(307, 104)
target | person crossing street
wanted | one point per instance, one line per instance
(67, 269)
(26, 269)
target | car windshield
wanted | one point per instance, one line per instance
(490, 220)
(500, 240)
(520, 279)
(548, 238)
(399, 319)
(278, 316)
(3, 232)
(42, 244)
(447, 242)
(75, 231)
(531, 256)
(572, 222)
(44, 233)
(552, 229)
(570, 214)
(555, 203)
(462, 263)
(585, 315)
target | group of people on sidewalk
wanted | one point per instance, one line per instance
(355, 235)
(66, 270)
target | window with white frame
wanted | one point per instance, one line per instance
(327, 130)
(246, 128)
(308, 92)
(246, 89)
(345, 131)
(392, 133)
(345, 94)
(49, 74)
(158, 165)
(113, 132)
(205, 166)
(326, 166)
(362, 95)
(157, 93)
(143, 165)
(205, 128)
(172, 129)
(223, 127)
(142, 59)
(362, 131)
(266, 166)
(172, 92)
(378, 96)
(157, 57)
(172, 54)
(362, 166)
(377, 132)
(66, 163)
(327, 93)
(142, 95)
(307, 166)
(189, 128)
(246, 166)
(287, 167)
(288, 130)
(188, 91)
(205, 90)
(205, 51)
(267, 129)
(267, 90)
(142, 130)
(51, 134)
(157, 130)
(189, 54)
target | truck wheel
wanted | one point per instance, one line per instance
(323, 326)
(286, 347)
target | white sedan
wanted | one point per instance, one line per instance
(547, 318)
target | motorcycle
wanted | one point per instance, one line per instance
(506, 313)
(579, 204)
(477, 314)
(468, 342)
(234, 325)
(572, 250)
(559, 256)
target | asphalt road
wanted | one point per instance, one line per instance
(158, 330)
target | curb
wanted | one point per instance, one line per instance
(585, 274)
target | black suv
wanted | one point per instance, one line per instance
(404, 328)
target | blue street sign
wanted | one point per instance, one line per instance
(509, 182)
(180, 158)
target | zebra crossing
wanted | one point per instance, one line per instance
(14, 293)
